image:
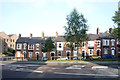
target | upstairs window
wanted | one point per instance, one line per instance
(19, 46)
(83, 44)
(113, 41)
(68, 45)
(60, 45)
(31, 46)
(37, 46)
(11, 40)
(25, 45)
(7, 40)
(98, 43)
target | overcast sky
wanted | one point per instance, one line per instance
(49, 16)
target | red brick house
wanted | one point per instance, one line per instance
(99, 44)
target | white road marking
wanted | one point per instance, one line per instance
(99, 67)
(76, 67)
(72, 68)
(85, 74)
(28, 70)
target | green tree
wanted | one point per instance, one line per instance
(76, 29)
(116, 31)
(116, 17)
(49, 45)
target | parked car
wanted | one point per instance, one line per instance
(63, 58)
(94, 57)
(108, 56)
(76, 58)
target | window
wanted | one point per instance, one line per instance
(19, 46)
(98, 43)
(37, 46)
(75, 44)
(7, 40)
(10, 45)
(59, 53)
(83, 44)
(113, 52)
(25, 45)
(30, 54)
(90, 51)
(105, 50)
(68, 45)
(13, 45)
(59, 45)
(105, 42)
(112, 42)
(75, 53)
(11, 40)
(31, 46)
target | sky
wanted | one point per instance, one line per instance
(48, 16)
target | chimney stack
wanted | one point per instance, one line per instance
(110, 30)
(56, 34)
(19, 35)
(98, 30)
(42, 34)
(30, 35)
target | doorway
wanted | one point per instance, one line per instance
(37, 56)
(52, 55)
(98, 52)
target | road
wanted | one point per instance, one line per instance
(60, 71)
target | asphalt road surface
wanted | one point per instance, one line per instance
(60, 71)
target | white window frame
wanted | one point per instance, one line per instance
(37, 47)
(99, 43)
(24, 46)
(29, 46)
(104, 42)
(30, 54)
(89, 51)
(105, 52)
(113, 42)
(58, 53)
(84, 44)
(19, 46)
(74, 53)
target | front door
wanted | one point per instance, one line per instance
(98, 52)
(52, 55)
(37, 56)
(68, 54)
(83, 54)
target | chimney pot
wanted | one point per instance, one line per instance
(98, 31)
(42, 34)
(56, 34)
(30, 35)
(19, 35)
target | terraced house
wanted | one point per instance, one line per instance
(99, 44)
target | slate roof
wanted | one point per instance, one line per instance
(30, 40)
(61, 38)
